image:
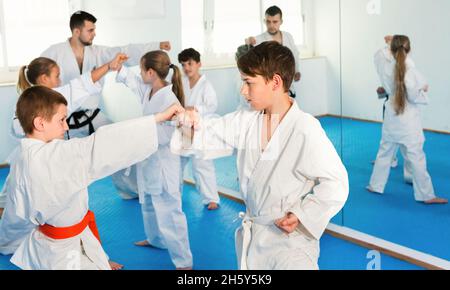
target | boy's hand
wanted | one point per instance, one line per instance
(167, 115)
(190, 118)
(297, 76)
(117, 62)
(426, 88)
(288, 224)
(165, 45)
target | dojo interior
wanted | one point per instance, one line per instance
(337, 40)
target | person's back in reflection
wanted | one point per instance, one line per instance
(383, 95)
(402, 125)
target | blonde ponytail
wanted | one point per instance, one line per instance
(22, 83)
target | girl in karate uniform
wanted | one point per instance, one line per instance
(402, 124)
(158, 176)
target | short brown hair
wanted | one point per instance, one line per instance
(267, 59)
(37, 101)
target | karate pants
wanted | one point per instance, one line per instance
(204, 174)
(165, 226)
(415, 162)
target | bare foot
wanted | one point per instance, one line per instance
(184, 269)
(213, 206)
(436, 200)
(143, 243)
(115, 266)
(1, 212)
(371, 190)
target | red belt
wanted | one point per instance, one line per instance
(72, 231)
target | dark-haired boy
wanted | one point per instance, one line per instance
(291, 177)
(199, 94)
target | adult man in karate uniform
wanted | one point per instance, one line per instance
(274, 20)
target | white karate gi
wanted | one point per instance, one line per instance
(158, 178)
(298, 172)
(49, 184)
(13, 229)
(384, 73)
(403, 130)
(203, 97)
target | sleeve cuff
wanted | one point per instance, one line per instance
(91, 87)
(122, 74)
(307, 226)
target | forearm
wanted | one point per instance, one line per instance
(100, 72)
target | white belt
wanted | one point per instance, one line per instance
(247, 223)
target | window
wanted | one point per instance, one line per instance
(217, 27)
(28, 27)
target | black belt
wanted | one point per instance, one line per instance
(77, 116)
(292, 94)
(384, 105)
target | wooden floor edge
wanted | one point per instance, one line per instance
(383, 250)
(356, 241)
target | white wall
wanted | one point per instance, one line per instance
(326, 43)
(427, 23)
(8, 100)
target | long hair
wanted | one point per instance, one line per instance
(29, 74)
(159, 61)
(400, 47)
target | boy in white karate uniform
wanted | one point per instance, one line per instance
(199, 94)
(50, 176)
(45, 72)
(291, 177)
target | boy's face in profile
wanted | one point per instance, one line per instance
(191, 68)
(257, 91)
(57, 126)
